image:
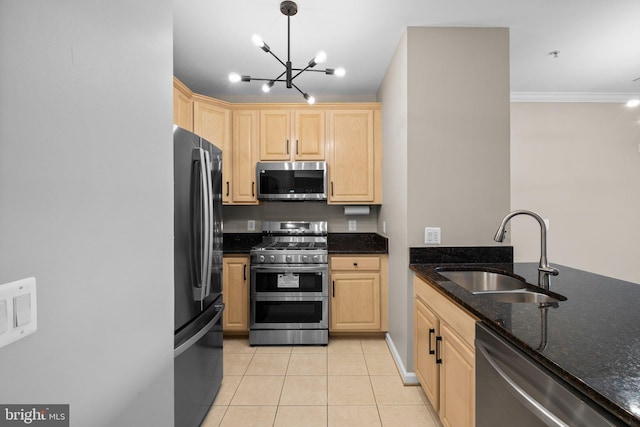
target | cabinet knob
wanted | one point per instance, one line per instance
(355, 264)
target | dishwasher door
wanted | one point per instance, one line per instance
(512, 389)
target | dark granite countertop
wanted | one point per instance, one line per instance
(592, 340)
(357, 243)
(337, 243)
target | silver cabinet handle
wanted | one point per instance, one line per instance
(539, 409)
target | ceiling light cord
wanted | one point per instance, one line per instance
(289, 9)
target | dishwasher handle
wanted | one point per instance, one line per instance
(538, 409)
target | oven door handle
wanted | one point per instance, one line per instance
(288, 268)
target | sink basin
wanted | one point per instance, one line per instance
(479, 282)
(520, 297)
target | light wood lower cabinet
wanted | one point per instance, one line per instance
(358, 293)
(444, 355)
(235, 293)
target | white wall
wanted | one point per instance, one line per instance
(393, 95)
(578, 164)
(86, 205)
(445, 127)
(236, 217)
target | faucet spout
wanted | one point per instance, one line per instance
(544, 269)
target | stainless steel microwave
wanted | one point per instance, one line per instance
(292, 181)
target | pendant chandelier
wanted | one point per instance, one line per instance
(288, 8)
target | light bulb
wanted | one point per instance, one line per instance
(234, 77)
(310, 99)
(257, 40)
(633, 103)
(320, 57)
(340, 72)
(267, 86)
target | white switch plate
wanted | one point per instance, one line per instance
(353, 225)
(20, 308)
(432, 235)
(251, 225)
(384, 227)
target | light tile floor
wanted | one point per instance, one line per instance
(351, 382)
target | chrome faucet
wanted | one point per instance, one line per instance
(544, 269)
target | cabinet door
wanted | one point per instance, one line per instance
(275, 131)
(182, 106)
(457, 380)
(426, 329)
(309, 138)
(235, 293)
(213, 123)
(355, 301)
(351, 158)
(245, 143)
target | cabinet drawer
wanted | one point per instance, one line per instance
(356, 263)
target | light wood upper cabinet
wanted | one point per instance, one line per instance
(309, 128)
(244, 154)
(358, 293)
(444, 355)
(235, 293)
(212, 121)
(182, 105)
(354, 156)
(290, 135)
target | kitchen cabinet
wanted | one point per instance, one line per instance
(182, 105)
(235, 293)
(291, 135)
(244, 157)
(212, 121)
(444, 355)
(354, 156)
(358, 293)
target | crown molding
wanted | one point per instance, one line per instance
(571, 97)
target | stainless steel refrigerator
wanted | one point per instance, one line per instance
(197, 173)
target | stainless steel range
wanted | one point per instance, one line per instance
(290, 284)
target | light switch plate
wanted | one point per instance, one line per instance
(20, 310)
(353, 225)
(432, 235)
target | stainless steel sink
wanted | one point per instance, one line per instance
(520, 297)
(480, 282)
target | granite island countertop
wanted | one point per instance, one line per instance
(592, 340)
(337, 243)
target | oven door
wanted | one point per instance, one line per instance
(284, 281)
(302, 312)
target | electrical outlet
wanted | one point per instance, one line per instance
(432, 235)
(353, 225)
(251, 225)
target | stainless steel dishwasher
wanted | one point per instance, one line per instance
(512, 389)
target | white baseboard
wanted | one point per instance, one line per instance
(409, 378)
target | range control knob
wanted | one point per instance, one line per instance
(261, 258)
(289, 258)
(316, 258)
(272, 258)
(305, 258)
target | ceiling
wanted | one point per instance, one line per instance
(598, 43)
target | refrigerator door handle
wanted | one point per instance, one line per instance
(196, 337)
(208, 258)
(202, 216)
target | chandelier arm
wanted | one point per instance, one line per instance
(300, 71)
(278, 59)
(297, 88)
